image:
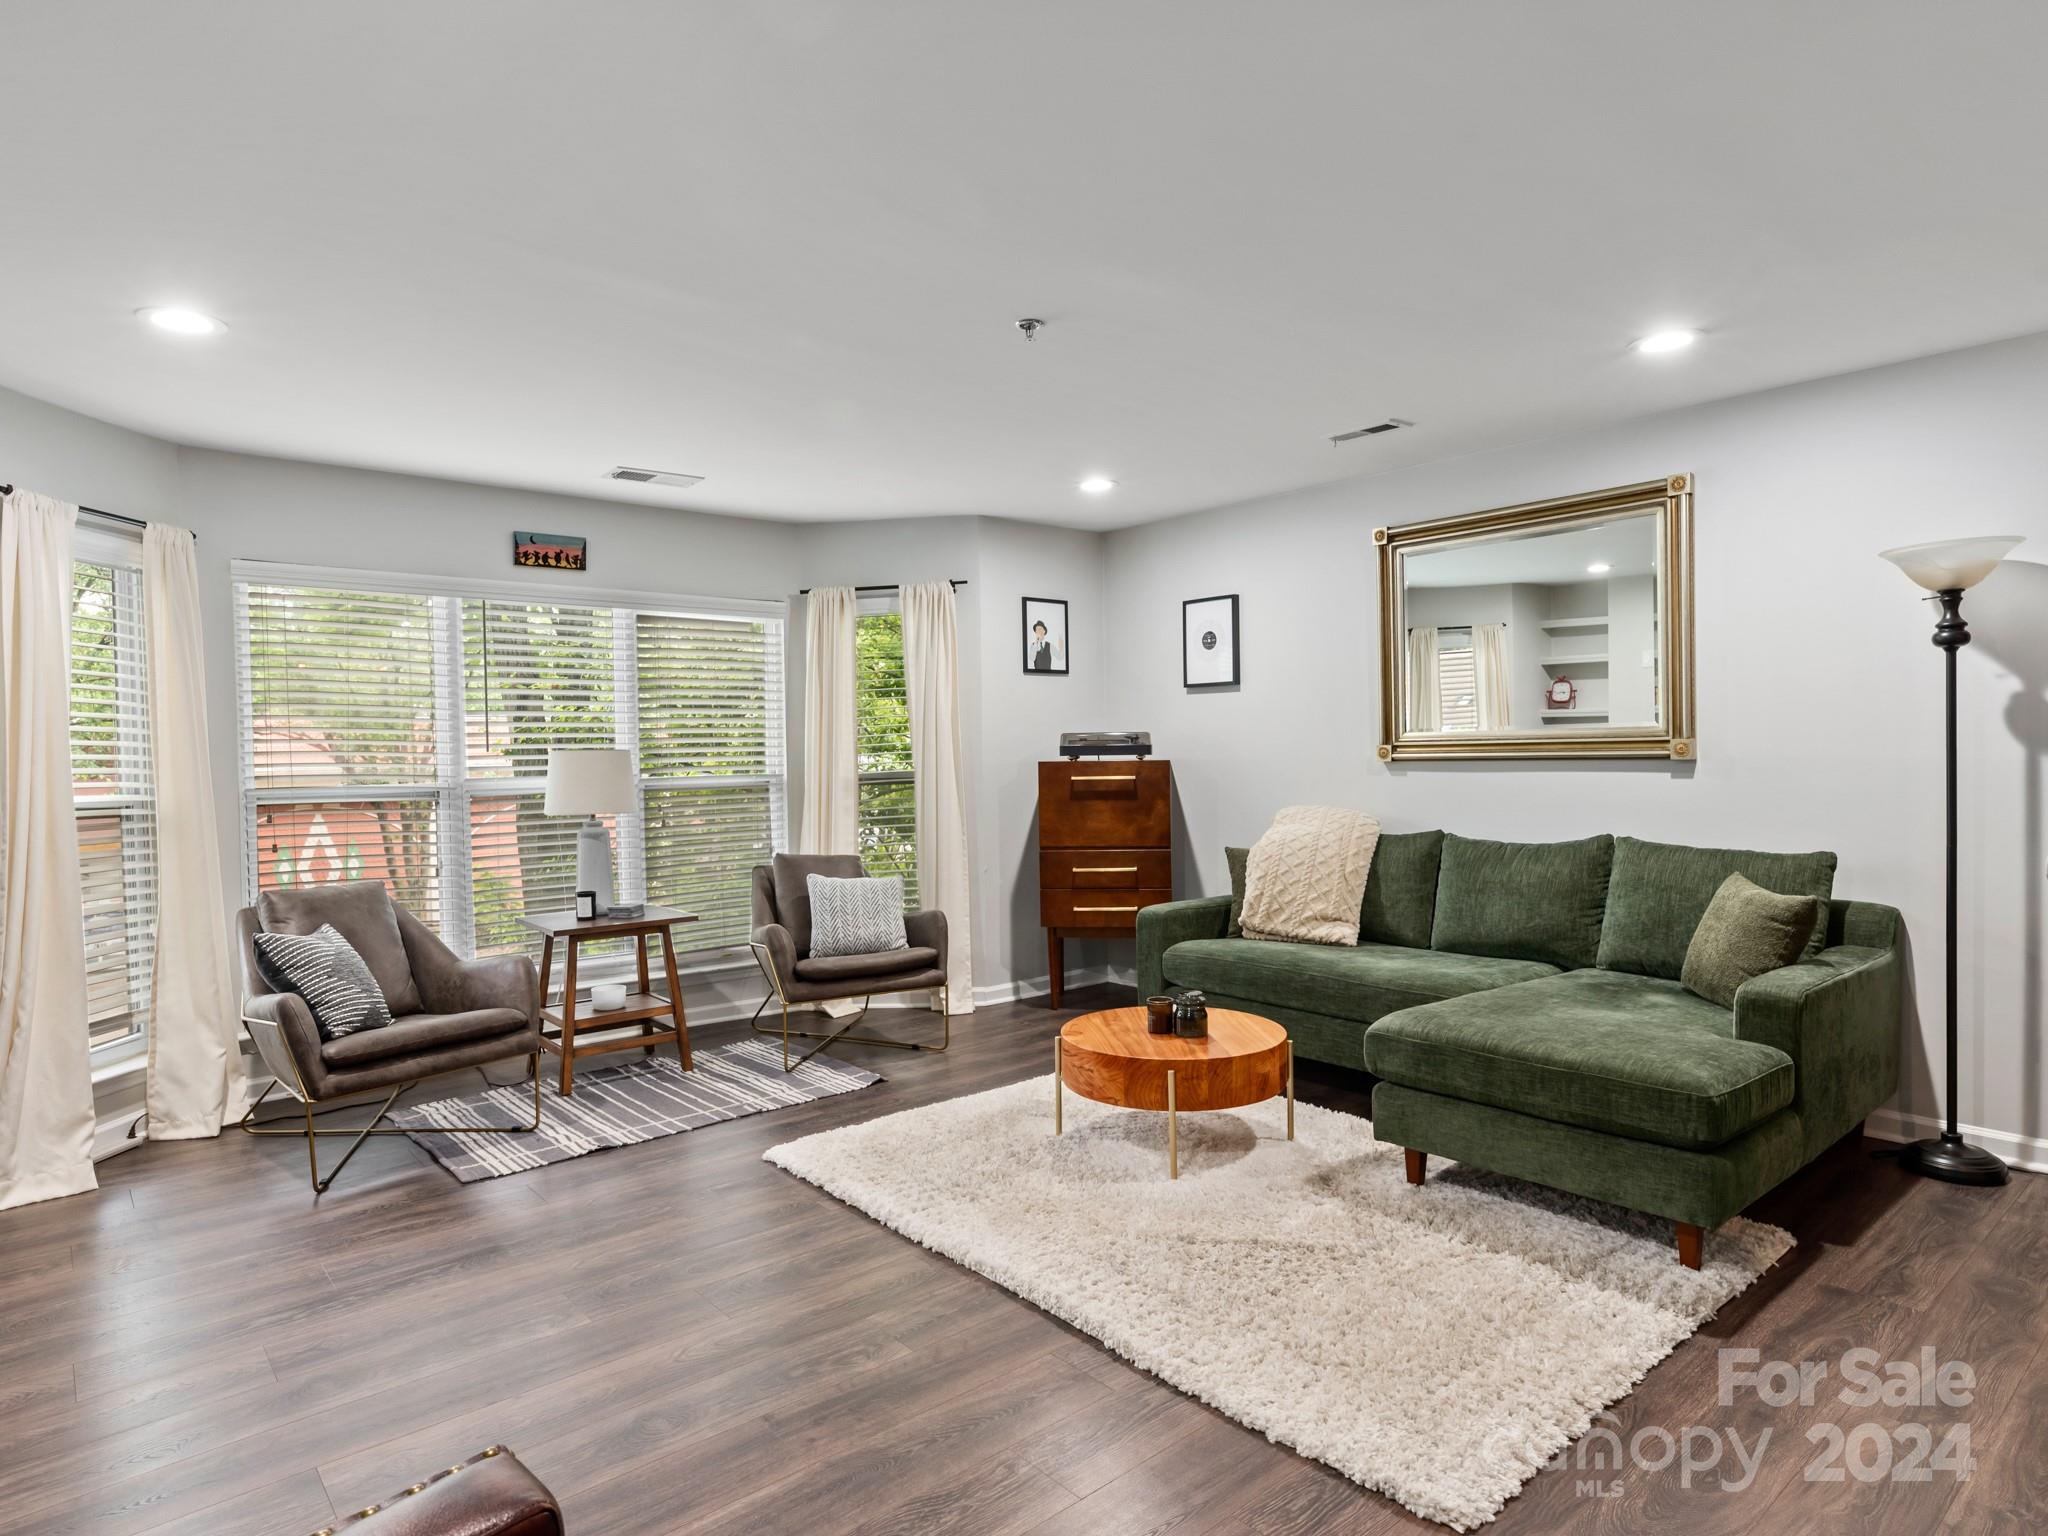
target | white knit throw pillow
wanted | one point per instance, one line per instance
(1305, 878)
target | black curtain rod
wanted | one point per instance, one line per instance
(112, 517)
(887, 586)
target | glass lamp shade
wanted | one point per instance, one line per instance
(595, 781)
(1950, 565)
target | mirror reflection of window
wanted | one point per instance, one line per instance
(1457, 690)
(1552, 630)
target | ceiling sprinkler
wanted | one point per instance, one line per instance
(1030, 328)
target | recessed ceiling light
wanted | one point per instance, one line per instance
(1598, 568)
(181, 322)
(1667, 341)
(1097, 485)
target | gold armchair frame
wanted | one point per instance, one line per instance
(297, 1089)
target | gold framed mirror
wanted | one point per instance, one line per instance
(1559, 628)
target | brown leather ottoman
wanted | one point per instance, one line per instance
(489, 1495)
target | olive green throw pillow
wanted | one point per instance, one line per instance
(1523, 901)
(1746, 931)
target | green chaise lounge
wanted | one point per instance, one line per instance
(1520, 1005)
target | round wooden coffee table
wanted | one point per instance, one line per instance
(1112, 1058)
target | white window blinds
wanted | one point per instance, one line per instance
(445, 707)
(113, 798)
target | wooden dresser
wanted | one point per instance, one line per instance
(1105, 849)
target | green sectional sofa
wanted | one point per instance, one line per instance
(1520, 1005)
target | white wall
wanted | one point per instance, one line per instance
(1819, 694)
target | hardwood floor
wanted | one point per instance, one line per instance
(678, 1337)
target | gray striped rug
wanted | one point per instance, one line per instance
(620, 1105)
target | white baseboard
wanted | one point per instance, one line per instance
(1029, 988)
(2028, 1152)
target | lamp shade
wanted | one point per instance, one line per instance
(1950, 565)
(593, 781)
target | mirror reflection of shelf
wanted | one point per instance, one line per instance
(1575, 714)
(1590, 621)
(1584, 659)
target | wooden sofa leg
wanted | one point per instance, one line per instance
(1416, 1162)
(1690, 1241)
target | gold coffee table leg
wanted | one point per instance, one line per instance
(1290, 1090)
(1172, 1130)
(1059, 1089)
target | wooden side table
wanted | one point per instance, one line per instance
(643, 1007)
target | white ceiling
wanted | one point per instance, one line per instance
(781, 244)
(1627, 546)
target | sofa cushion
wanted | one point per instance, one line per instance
(1360, 982)
(885, 962)
(419, 1032)
(1659, 891)
(1237, 859)
(1630, 1055)
(1523, 901)
(361, 912)
(1400, 891)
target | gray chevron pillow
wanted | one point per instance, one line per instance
(324, 969)
(856, 917)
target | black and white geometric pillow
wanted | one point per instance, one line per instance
(324, 969)
(856, 917)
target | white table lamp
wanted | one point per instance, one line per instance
(592, 782)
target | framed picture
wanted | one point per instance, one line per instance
(555, 551)
(1045, 635)
(1208, 642)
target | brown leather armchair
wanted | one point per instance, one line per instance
(782, 948)
(446, 1012)
(490, 1494)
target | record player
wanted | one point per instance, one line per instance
(1079, 744)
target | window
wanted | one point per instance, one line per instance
(404, 736)
(888, 793)
(1457, 685)
(111, 792)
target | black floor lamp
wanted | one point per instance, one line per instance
(1948, 569)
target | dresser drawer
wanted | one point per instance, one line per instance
(1100, 869)
(1111, 909)
(1116, 803)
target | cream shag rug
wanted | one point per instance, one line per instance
(1436, 1344)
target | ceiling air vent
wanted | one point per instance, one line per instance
(1388, 425)
(653, 477)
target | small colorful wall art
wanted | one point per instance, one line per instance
(557, 551)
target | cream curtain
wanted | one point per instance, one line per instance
(1425, 707)
(193, 1012)
(46, 1109)
(932, 669)
(1490, 674)
(831, 805)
